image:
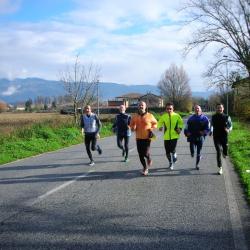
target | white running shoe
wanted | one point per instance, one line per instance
(220, 172)
(91, 164)
(126, 160)
(171, 166)
(174, 157)
(144, 172)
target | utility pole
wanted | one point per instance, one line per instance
(227, 82)
(98, 111)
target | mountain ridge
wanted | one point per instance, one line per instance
(21, 89)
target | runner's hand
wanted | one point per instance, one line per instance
(178, 130)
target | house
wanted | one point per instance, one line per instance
(132, 100)
(129, 100)
(242, 97)
(20, 107)
(152, 100)
(3, 106)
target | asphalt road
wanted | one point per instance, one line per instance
(56, 201)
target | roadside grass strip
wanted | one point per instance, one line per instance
(239, 151)
(41, 138)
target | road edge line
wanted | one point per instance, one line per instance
(237, 228)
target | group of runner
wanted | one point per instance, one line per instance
(144, 123)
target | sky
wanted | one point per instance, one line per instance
(132, 41)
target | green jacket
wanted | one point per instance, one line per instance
(170, 123)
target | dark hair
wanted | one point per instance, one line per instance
(169, 104)
(218, 104)
(196, 104)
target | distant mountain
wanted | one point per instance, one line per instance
(112, 90)
(20, 90)
(204, 94)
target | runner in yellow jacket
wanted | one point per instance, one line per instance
(173, 125)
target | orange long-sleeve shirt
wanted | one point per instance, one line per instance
(141, 124)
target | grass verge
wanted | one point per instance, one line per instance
(41, 137)
(239, 151)
(35, 135)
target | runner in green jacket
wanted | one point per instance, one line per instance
(172, 124)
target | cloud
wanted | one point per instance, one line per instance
(118, 14)
(9, 6)
(131, 41)
(11, 90)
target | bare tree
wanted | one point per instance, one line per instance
(174, 86)
(80, 84)
(226, 24)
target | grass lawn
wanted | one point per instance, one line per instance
(239, 151)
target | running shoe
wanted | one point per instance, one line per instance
(171, 166)
(174, 157)
(126, 160)
(91, 163)
(144, 172)
(99, 150)
(220, 172)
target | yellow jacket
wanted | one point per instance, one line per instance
(170, 124)
(142, 124)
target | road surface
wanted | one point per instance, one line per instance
(56, 201)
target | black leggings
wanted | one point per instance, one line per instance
(119, 143)
(170, 146)
(90, 141)
(220, 142)
(143, 147)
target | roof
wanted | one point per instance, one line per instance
(137, 95)
(150, 94)
(130, 95)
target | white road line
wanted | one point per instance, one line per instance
(54, 190)
(44, 196)
(238, 233)
(64, 185)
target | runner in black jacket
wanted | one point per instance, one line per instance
(122, 130)
(221, 125)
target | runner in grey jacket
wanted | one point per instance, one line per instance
(91, 125)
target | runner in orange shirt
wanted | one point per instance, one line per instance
(143, 124)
